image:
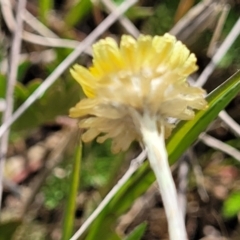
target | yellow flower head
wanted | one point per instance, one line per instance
(143, 77)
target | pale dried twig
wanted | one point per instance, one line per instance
(37, 25)
(44, 56)
(234, 33)
(196, 20)
(50, 42)
(125, 22)
(12, 75)
(140, 206)
(219, 145)
(230, 122)
(218, 30)
(198, 175)
(7, 14)
(48, 38)
(183, 171)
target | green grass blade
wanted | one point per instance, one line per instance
(78, 12)
(8, 229)
(137, 232)
(69, 217)
(45, 6)
(184, 135)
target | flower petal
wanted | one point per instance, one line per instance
(128, 49)
(85, 79)
(106, 56)
(90, 134)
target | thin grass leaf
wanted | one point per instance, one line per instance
(69, 217)
(45, 6)
(8, 229)
(78, 12)
(231, 206)
(3, 83)
(137, 232)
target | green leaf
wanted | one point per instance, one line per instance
(231, 206)
(22, 69)
(21, 93)
(137, 232)
(137, 12)
(118, 2)
(2, 85)
(45, 6)
(184, 135)
(78, 12)
(7, 229)
(33, 85)
(69, 217)
(55, 101)
(161, 20)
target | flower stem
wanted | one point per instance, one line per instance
(157, 155)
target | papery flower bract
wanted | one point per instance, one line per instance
(142, 77)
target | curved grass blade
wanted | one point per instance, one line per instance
(69, 217)
(78, 12)
(183, 136)
(137, 232)
(45, 6)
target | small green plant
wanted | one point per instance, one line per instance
(56, 189)
(231, 206)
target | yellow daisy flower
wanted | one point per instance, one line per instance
(129, 84)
